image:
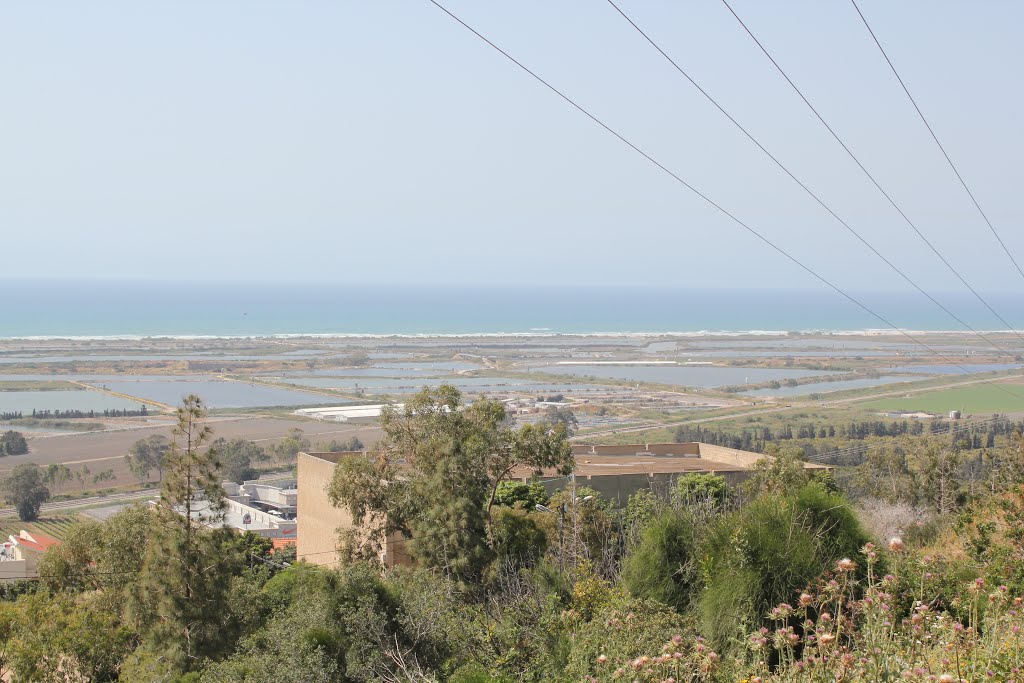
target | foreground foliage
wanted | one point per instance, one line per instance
(779, 580)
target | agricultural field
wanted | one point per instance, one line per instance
(56, 526)
(976, 399)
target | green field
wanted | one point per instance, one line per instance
(978, 399)
(41, 385)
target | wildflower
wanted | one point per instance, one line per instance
(979, 582)
(601, 659)
(846, 565)
(677, 639)
(806, 599)
(895, 544)
(826, 638)
(947, 678)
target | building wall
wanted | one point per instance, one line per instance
(625, 449)
(730, 456)
(318, 520)
(617, 488)
(689, 450)
(11, 570)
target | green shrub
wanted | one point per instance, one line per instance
(527, 496)
(700, 487)
(766, 552)
(641, 508)
(833, 519)
(663, 565)
(620, 633)
(517, 537)
(475, 673)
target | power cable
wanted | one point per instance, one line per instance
(870, 176)
(799, 182)
(935, 137)
(707, 199)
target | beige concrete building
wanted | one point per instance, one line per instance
(319, 521)
(617, 472)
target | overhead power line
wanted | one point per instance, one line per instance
(872, 178)
(799, 182)
(935, 137)
(710, 201)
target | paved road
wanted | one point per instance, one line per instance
(103, 450)
(112, 498)
(93, 500)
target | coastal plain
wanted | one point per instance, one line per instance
(84, 402)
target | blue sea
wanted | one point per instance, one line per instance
(121, 308)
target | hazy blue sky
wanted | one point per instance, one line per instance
(378, 141)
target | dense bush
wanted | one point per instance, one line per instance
(764, 552)
(663, 566)
(621, 632)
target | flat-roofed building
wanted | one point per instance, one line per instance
(616, 472)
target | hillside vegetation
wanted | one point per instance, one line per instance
(900, 569)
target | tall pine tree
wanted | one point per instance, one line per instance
(182, 590)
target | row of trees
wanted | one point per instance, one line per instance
(77, 414)
(968, 436)
(238, 459)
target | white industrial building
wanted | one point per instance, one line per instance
(346, 413)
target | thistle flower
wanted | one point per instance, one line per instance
(846, 565)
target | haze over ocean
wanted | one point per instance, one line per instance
(101, 308)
